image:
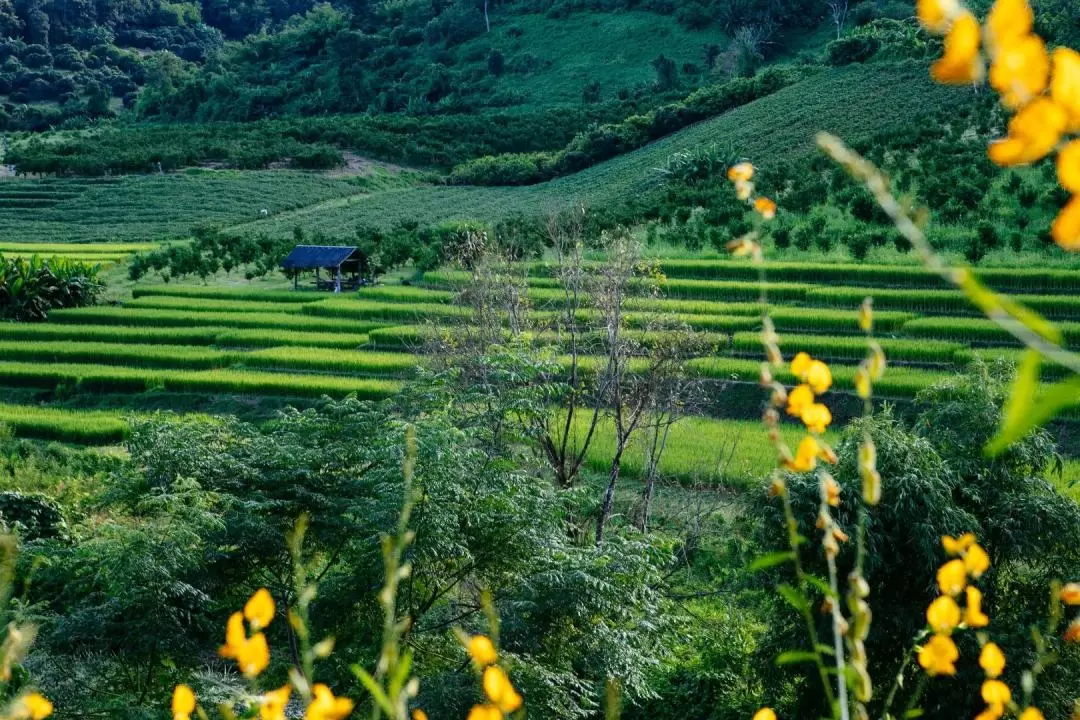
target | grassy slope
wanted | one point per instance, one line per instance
(613, 49)
(852, 102)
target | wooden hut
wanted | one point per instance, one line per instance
(345, 266)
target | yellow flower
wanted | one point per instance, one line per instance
(1008, 21)
(992, 660)
(831, 491)
(866, 315)
(863, 386)
(805, 458)
(741, 172)
(936, 15)
(976, 561)
(1020, 71)
(995, 692)
(32, 706)
(952, 577)
(765, 714)
(1065, 85)
(743, 189)
(183, 702)
(259, 609)
(1033, 133)
(943, 615)
(800, 364)
(419, 714)
(799, 399)
(818, 377)
(974, 617)
(485, 712)
(253, 656)
(961, 64)
(482, 650)
(324, 706)
(235, 636)
(816, 417)
(1066, 228)
(957, 546)
(272, 705)
(827, 454)
(1070, 594)
(1068, 166)
(1032, 713)
(765, 207)
(992, 712)
(499, 690)
(939, 655)
(1072, 633)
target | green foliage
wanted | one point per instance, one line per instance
(935, 471)
(30, 289)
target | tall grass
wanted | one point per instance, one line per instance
(228, 293)
(88, 427)
(212, 305)
(181, 318)
(107, 378)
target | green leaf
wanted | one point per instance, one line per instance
(821, 585)
(1014, 417)
(824, 649)
(914, 713)
(1047, 405)
(794, 598)
(771, 560)
(792, 657)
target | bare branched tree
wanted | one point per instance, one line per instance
(838, 10)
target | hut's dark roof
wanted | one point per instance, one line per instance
(317, 256)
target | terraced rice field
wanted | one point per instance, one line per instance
(93, 253)
(210, 341)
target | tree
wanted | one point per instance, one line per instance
(838, 10)
(667, 74)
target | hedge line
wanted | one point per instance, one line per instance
(219, 293)
(1030, 280)
(943, 302)
(854, 349)
(106, 378)
(202, 305)
(230, 320)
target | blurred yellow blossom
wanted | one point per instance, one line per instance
(259, 609)
(995, 692)
(1020, 71)
(765, 713)
(1066, 228)
(1068, 166)
(1033, 133)
(1072, 633)
(799, 399)
(741, 172)
(272, 704)
(765, 207)
(32, 706)
(952, 577)
(976, 561)
(936, 15)
(1070, 594)
(324, 706)
(499, 690)
(1008, 21)
(485, 712)
(818, 377)
(482, 650)
(418, 714)
(961, 63)
(805, 458)
(816, 417)
(939, 655)
(1032, 713)
(183, 702)
(992, 660)
(831, 491)
(956, 546)
(974, 617)
(1065, 85)
(943, 615)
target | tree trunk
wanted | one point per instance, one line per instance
(609, 494)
